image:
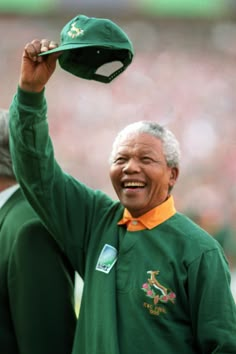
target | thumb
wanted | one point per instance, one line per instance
(51, 60)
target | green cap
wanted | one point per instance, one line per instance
(87, 43)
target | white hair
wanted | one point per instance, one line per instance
(6, 168)
(171, 147)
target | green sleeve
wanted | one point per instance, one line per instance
(67, 207)
(212, 305)
(42, 180)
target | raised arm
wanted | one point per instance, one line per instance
(54, 195)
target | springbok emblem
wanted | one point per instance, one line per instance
(75, 31)
(153, 281)
(155, 290)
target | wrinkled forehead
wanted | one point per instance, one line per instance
(137, 140)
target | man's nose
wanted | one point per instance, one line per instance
(131, 166)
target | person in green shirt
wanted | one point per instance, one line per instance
(154, 281)
(37, 309)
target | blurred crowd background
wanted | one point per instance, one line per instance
(183, 75)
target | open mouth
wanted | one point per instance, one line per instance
(133, 185)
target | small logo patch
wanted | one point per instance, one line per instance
(107, 259)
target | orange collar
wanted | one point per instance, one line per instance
(151, 219)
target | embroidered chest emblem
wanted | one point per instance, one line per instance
(158, 293)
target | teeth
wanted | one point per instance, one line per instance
(133, 184)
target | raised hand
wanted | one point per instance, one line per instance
(36, 70)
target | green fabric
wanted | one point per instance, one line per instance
(36, 285)
(88, 43)
(188, 308)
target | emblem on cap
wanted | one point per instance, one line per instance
(75, 31)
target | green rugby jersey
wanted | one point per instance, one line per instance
(163, 290)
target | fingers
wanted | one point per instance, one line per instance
(47, 45)
(34, 48)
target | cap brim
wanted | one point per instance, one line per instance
(84, 45)
(66, 47)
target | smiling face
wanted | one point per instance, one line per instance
(139, 173)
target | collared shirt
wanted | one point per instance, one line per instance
(7, 193)
(150, 219)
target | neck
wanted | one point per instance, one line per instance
(6, 182)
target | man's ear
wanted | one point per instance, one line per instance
(174, 175)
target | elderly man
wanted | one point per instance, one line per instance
(154, 282)
(36, 279)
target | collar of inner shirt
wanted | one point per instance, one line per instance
(150, 219)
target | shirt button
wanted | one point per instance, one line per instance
(134, 222)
